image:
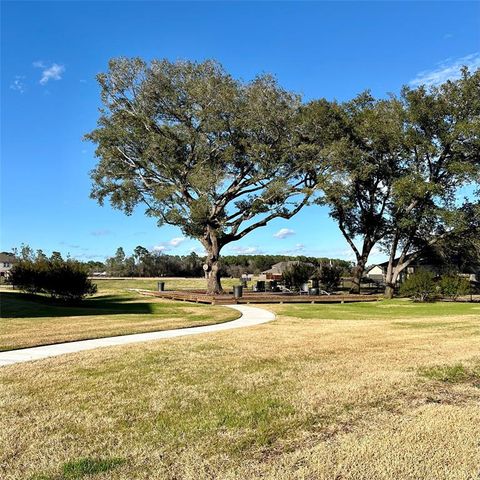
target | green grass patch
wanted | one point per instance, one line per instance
(89, 466)
(456, 373)
(383, 309)
(106, 285)
(81, 468)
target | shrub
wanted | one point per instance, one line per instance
(65, 280)
(29, 276)
(297, 274)
(329, 276)
(420, 286)
(453, 286)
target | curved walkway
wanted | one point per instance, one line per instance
(250, 316)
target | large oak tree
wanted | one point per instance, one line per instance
(441, 154)
(203, 151)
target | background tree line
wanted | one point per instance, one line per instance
(145, 263)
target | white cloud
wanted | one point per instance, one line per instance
(284, 233)
(52, 72)
(175, 242)
(166, 246)
(245, 250)
(18, 85)
(446, 70)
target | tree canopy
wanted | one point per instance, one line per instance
(220, 157)
(201, 150)
(441, 144)
(359, 152)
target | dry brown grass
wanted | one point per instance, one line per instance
(27, 322)
(293, 399)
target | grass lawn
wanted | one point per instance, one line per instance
(29, 321)
(389, 390)
(115, 285)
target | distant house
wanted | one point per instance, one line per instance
(99, 274)
(276, 271)
(7, 260)
(377, 273)
(431, 262)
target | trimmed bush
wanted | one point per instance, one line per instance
(65, 280)
(454, 286)
(419, 286)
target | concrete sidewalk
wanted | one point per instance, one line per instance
(250, 316)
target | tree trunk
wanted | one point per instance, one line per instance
(214, 285)
(212, 246)
(358, 271)
(391, 275)
(389, 291)
(390, 280)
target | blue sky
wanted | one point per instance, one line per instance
(51, 52)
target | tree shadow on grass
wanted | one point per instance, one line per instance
(22, 305)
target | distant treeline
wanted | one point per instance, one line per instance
(145, 263)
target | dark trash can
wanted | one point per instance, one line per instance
(260, 286)
(238, 291)
(272, 286)
(315, 283)
(161, 286)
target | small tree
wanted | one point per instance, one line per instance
(454, 286)
(297, 274)
(329, 276)
(201, 150)
(420, 286)
(28, 275)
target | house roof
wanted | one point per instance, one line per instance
(7, 257)
(280, 267)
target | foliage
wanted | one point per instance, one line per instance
(329, 276)
(391, 168)
(297, 274)
(65, 280)
(201, 150)
(420, 286)
(156, 264)
(440, 150)
(454, 286)
(359, 145)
